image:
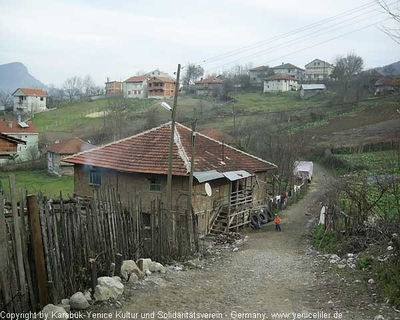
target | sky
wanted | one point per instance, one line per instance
(58, 39)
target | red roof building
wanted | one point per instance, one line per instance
(140, 164)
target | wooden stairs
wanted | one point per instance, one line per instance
(228, 219)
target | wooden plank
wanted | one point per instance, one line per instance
(34, 220)
(18, 245)
(5, 289)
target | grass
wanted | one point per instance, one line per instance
(35, 181)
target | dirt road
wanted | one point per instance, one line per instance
(272, 272)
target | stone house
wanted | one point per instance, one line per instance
(318, 70)
(58, 151)
(208, 86)
(29, 101)
(25, 131)
(227, 182)
(135, 87)
(280, 83)
(258, 75)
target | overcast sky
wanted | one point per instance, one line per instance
(116, 39)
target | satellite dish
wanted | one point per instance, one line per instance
(208, 189)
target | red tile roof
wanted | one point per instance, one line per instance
(71, 146)
(137, 79)
(162, 79)
(11, 139)
(147, 152)
(281, 76)
(210, 80)
(12, 127)
(32, 92)
(219, 135)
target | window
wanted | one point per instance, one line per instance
(95, 178)
(129, 92)
(41, 99)
(155, 184)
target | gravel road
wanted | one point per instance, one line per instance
(271, 272)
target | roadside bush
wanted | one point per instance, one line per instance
(326, 241)
(389, 285)
(364, 262)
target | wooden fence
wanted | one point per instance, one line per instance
(50, 247)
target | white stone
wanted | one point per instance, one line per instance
(144, 264)
(116, 278)
(371, 281)
(379, 317)
(152, 266)
(389, 248)
(130, 267)
(88, 295)
(148, 273)
(235, 249)
(350, 255)
(78, 301)
(341, 266)
(159, 268)
(133, 279)
(102, 293)
(51, 312)
(116, 287)
(65, 301)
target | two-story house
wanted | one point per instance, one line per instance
(113, 88)
(29, 101)
(280, 83)
(135, 87)
(258, 75)
(25, 131)
(318, 70)
(160, 87)
(208, 86)
(291, 70)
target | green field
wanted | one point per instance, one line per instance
(35, 181)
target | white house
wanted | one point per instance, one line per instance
(290, 69)
(318, 70)
(280, 83)
(135, 87)
(29, 101)
(25, 131)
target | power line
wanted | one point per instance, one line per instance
(293, 32)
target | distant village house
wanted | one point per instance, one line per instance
(309, 90)
(208, 86)
(113, 88)
(280, 83)
(161, 87)
(318, 70)
(291, 70)
(258, 75)
(135, 87)
(29, 101)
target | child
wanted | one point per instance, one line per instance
(277, 221)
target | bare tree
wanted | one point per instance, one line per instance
(395, 14)
(73, 88)
(88, 86)
(6, 100)
(345, 69)
(192, 74)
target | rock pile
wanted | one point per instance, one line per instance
(229, 238)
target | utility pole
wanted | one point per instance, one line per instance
(170, 156)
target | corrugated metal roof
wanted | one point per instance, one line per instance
(313, 86)
(236, 175)
(207, 175)
(148, 152)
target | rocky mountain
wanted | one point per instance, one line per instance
(391, 69)
(14, 75)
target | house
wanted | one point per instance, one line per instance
(258, 75)
(113, 88)
(160, 87)
(290, 69)
(157, 73)
(280, 83)
(25, 131)
(236, 181)
(309, 90)
(9, 148)
(29, 101)
(208, 86)
(135, 87)
(387, 85)
(318, 70)
(58, 151)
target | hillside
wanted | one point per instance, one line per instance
(390, 69)
(14, 75)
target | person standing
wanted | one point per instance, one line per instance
(277, 221)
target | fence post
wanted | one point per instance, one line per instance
(37, 243)
(93, 274)
(118, 264)
(18, 243)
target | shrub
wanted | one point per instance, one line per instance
(364, 262)
(330, 239)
